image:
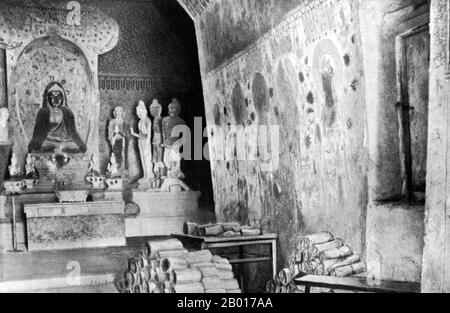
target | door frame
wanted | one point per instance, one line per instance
(404, 108)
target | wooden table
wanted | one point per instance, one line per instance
(361, 284)
(203, 243)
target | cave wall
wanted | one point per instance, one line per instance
(3, 91)
(305, 76)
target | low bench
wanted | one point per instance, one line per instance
(360, 284)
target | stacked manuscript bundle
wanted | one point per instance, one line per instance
(224, 230)
(282, 283)
(166, 267)
(322, 254)
(317, 254)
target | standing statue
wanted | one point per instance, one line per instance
(14, 168)
(158, 150)
(113, 167)
(118, 136)
(6, 137)
(172, 145)
(55, 129)
(94, 166)
(30, 167)
(145, 144)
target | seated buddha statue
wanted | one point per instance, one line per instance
(55, 129)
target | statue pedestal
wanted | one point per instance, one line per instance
(163, 213)
(74, 171)
(75, 225)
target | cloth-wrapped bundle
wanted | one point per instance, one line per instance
(185, 276)
(168, 254)
(153, 247)
(349, 270)
(199, 265)
(210, 231)
(335, 244)
(209, 271)
(173, 264)
(229, 284)
(225, 275)
(338, 253)
(285, 276)
(203, 256)
(317, 239)
(349, 261)
(190, 229)
(229, 226)
(189, 288)
(211, 283)
(271, 286)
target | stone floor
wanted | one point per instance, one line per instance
(52, 271)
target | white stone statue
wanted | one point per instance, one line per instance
(113, 167)
(30, 167)
(173, 145)
(14, 168)
(94, 166)
(119, 136)
(145, 144)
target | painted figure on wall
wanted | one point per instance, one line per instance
(119, 136)
(158, 151)
(6, 137)
(173, 144)
(55, 129)
(145, 144)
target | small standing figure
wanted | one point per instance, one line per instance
(6, 141)
(14, 168)
(30, 167)
(172, 145)
(145, 144)
(158, 150)
(113, 167)
(118, 136)
(94, 166)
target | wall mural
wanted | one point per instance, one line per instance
(311, 66)
(327, 66)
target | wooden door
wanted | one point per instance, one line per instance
(414, 82)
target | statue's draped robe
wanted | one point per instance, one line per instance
(121, 132)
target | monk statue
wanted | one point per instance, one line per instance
(158, 151)
(145, 144)
(173, 145)
(6, 141)
(55, 130)
(119, 136)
